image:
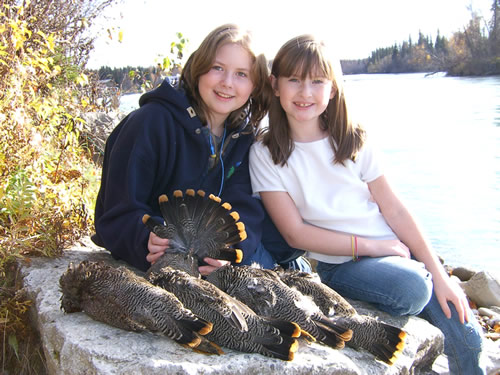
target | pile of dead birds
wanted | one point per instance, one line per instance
(244, 308)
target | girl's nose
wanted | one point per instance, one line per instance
(305, 89)
(227, 79)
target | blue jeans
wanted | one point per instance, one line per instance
(401, 286)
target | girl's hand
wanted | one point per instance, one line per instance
(213, 264)
(379, 248)
(156, 247)
(448, 290)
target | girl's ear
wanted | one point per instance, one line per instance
(274, 85)
(333, 92)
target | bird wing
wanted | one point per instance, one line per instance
(120, 298)
(195, 291)
(384, 341)
(327, 299)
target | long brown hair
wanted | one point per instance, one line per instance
(303, 56)
(200, 62)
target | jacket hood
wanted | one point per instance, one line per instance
(174, 99)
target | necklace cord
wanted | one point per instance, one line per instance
(214, 155)
(222, 161)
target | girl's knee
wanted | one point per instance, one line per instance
(395, 285)
(415, 292)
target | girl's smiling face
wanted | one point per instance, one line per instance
(303, 99)
(228, 84)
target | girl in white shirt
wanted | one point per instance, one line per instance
(321, 183)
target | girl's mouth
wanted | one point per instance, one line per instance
(222, 95)
(303, 105)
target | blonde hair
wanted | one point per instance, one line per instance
(304, 56)
(200, 62)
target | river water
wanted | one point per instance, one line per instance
(439, 138)
(440, 142)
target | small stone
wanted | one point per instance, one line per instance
(464, 274)
(493, 336)
(495, 309)
(494, 322)
(487, 312)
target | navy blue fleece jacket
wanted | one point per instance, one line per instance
(155, 150)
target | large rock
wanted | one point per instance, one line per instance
(483, 288)
(76, 344)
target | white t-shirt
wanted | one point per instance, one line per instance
(327, 195)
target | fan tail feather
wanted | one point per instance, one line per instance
(157, 228)
(168, 210)
(230, 254)
(200, 225)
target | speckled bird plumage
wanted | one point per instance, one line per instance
(264, 292)
(273, 338)
(120, 298)
(328, 300)
(384, 341)
(198, 225)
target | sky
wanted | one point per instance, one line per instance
(354, 28)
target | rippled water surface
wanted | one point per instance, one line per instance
(440, 141)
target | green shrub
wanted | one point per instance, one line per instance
(48, 182)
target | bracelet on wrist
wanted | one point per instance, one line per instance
(354, 247)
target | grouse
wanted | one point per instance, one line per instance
(120, 298)
(264, 292)
(235, 325)
(199, 226)
(384, 341)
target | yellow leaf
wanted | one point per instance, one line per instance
(120, 36)
(42, 34)
(51, 42)
(82, 80)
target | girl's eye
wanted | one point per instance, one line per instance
(242, 74)
(292, 79)
(318, 81)
(217, 67)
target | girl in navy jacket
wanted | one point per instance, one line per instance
(193, 136)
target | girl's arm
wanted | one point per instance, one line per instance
(405, 227)
(300, 235)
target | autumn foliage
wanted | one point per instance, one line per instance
(48, 181)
